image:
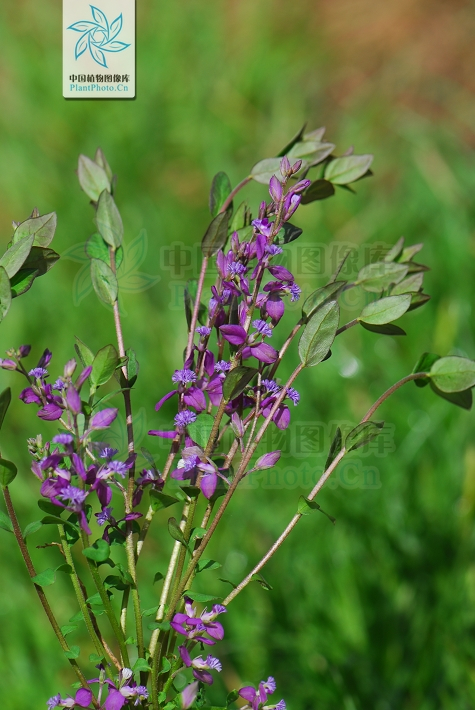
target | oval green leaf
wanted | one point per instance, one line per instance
(379, 276)
(319, 334)
(237, 380)
(216, 235)
(385, 310)
(92, 178)
(109, 221)
(362, 434)
(104, 281)
(453, 373)
(342, 171)
(8, 472)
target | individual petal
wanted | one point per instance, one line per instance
(282, 417)
(164, 399)
(74, 400)
(194, 397)
(83, 377)
(115, 700)
(248, 693)
(104, 418)
(264, 353)
(188, 696)
(50, 412)
(208, 484)
(275, 307)
(261, 243)
(203, 676)
(83, 697)
(281, 273)
(28, 396)
(185, 656)
(275, 189)
(215, 630)
(162, 434)
(209, 362)
(234, 334)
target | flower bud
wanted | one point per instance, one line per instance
(69, 368)
(267, 461)
(285, 168)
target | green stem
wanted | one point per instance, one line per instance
(39, 590)
(109, 610)
(79, 593)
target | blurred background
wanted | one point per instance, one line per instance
(377, 611)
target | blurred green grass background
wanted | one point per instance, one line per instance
(379, 610)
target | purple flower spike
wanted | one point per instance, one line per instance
(267, 461)
(188, 696)
(234, 334)
(104, 418)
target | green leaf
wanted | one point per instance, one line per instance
(318, 190)
(68, 629)
(98, 552)
(158, 577)
(133, 367)
(237, 380)
(104, 281)
(150, 612)
(306, 507)
(385, 310)
(101, 160)
(15, 257)
(56, 520)
(387, 329)
(296, 139)
(260, 580)
(216, 235)
(335, 448)
(409, 252)
(162, 625)
(141, 665)
(5, 399)
(220, 190)
(84, 353)
(288, 233)
(197, 534)
(207, 565)
(104, 365)
(264, 170)
(5, 293)
(109, 221)
(191, 290)
(44, 579)
(31, 528)
(42, 228)
(313, 152)
(159, 500)
(23, 281)
(319, 334)
(166, 665)
(228, 581)
(239, 218)
(424, 364)
(232, 697)
(379, 276)
(453, 373)
(41, 260)
(199, 597)
(418, 300)
(92, 178)
(78, 616)
(73, 652)
(342, 171)
(316, 299)
(175, 532)
(8, 472)
(411, 284)
(462, 399)
(47, 507)
(395, 251)
(5, 522)
(362, 434)
(200, 429)
(96, 248)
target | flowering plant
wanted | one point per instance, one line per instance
(229, 382)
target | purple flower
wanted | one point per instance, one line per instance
(258, 698)
(108, 453)
(53, 702)
(200, 666)
(74, 400)
(293, 395)
(50, 412)
(29, 396)
(295, 292)
(194, 627)
(183, 419)
(263, 328)
(222, 366)
(24, 351)
(184, 377)
(38, 373)
(273, 250)
(234, 334)
(75, 497)
(203, 331)
(8, 364)
(59, 385)
(104, 516)
(112, 467)
(45, 359)
(271, 386)
(275, 189)
(263, 226)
